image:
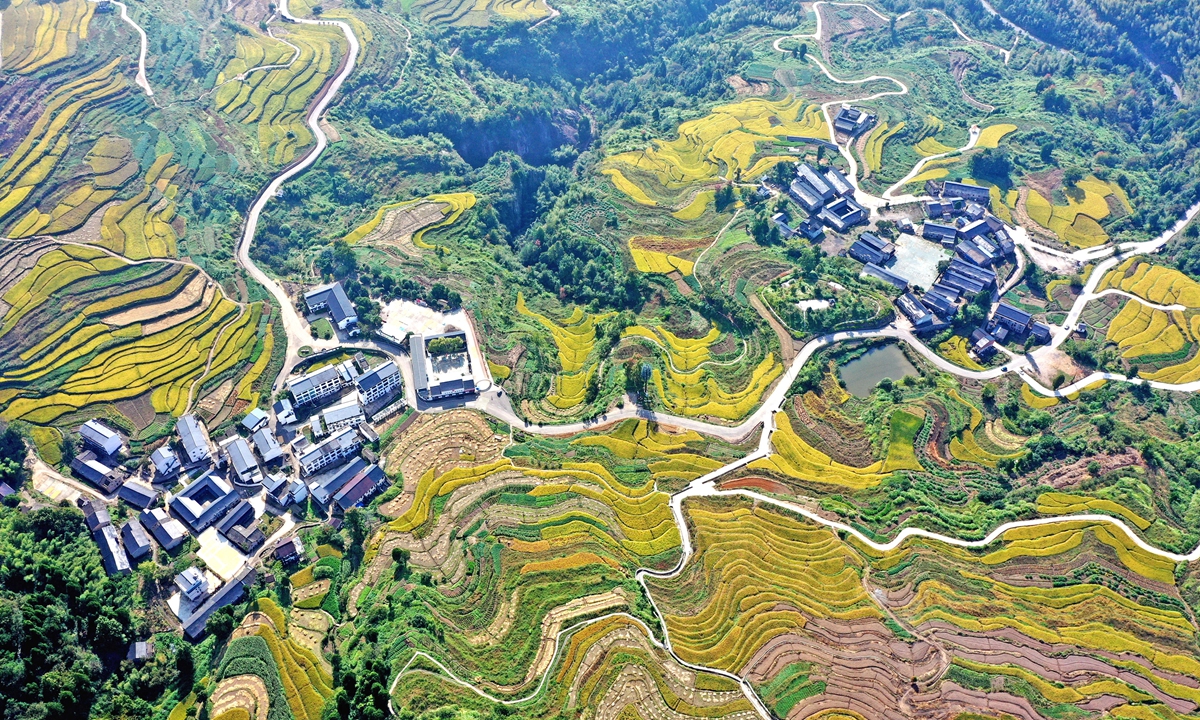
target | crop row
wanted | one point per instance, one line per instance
(794, 458)
(48, 139)
(1143, 330)
(763, 574)
(696, 393)
(37, 34)
(875, 142)
(1158, 284)
(1076, 222)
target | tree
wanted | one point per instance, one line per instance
(1072, 176)
(993, 164)
(400, 556)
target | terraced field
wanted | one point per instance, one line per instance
(273, 102)
(48, 139)
(460, 12)
(741, 139)
(84, 329)
(38, 34)
(575, 339)
(1077, 222)
(663, 255)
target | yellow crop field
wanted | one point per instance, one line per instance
(499, 372)
(1050, 540)
(1033, 400)
(521, 10)
(931, 174)
(1142, 330)
(48, 442)
(652, 261)
(696, 393)
(875, 142)
(48, 139)
(991, 136)
(640, 439)
(794, 458)
(684, 354)
(122, 363)
(955, 350)
(724, 143)
(37, 34)
(966, 447)
(575, 340)
(1158, 284)
(627, 186)
(1056, 503)
(454, 205)
(931, 146)
(765, 573)
(568, 562)
(696, 207)
(245, 389)
(1076, 222)
(140, 227)
(643, 514)
(275, 100)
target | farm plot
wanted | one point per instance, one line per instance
(1158, 284)
(793, 458)
(991, 135)
(642, 513)
(1140, 330)
(49, 138)
(670, 456)
(38, 34)
(404, 224)
(967, 448)
(662, 255)
(756, 575)
(140, 227)
(725, 143)
(457, 438)
(83, 361)
(470, 13)
(274, 101)
(696, 393)
(1056, 503)
(1077, 222)
(880, 134)
(575, 339)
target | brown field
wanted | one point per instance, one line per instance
(398, 226)
(244, 691)
(187, 296)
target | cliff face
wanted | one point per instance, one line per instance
(533, 135)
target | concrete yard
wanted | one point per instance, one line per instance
(917, 260)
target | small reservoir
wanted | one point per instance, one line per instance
(862, 374)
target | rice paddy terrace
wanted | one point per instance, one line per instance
(666, 505)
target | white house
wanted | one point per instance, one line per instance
(103, 439)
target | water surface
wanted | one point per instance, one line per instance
(864, 373)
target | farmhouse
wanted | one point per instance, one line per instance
(839, 182)
(290, 551)
(267, 446)
(341, 444)
(241, 458)
(254, 419)
(229, 593)
(439, 376)
(87, 466)
(869, 248)
(361, 488)
(333, 298)
(240, 529)
(95, 515)
(104, 440)
(815, 180)
(316, 385)
(914, 311)
(284, 412)
(781, 220)
(972, 193)
(983, 344)
(166, 462)
(192, 584)
(348, 413)
(194, 438)
(852, 121)
(842, 214)
(803, 193)
(379, 383)
(204, 502)
(971, 253)
(137, 542)
(873, 270)
(941, 302)
(939, 232)
(115, 562)
(138, 494)
(168, 531)
(1012, 317)
(811, 229)
(325, 487)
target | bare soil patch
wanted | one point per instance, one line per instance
(398, 226)
(187, 296)
(171, 320)
(313, 589)
(248, 692)
(139, 410)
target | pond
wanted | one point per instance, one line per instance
(864, 373)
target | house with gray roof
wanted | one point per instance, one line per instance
(267, 446)
(194, 438)
(230, 592)
(137, 542)
(115, 562)
(100, 437)
(138, 494)
(332, 297)
(204, 502)
(168, 531)
(379, 382)
(241, 459)
(165, 461)
(316, 385)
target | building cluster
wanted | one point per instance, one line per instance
(827, 197)
(99, 461)
(852, 122)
